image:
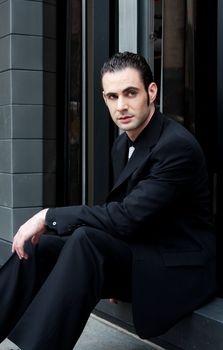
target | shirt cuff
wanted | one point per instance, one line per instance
(51, 219)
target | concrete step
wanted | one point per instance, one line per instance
(102, 335)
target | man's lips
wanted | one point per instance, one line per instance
(125, 118)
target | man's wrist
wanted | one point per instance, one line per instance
(43, 215)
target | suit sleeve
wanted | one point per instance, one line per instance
(159, 181)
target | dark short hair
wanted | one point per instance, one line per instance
(122, 60)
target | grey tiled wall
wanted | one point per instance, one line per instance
(27, 110)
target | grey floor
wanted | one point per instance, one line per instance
(101, 335)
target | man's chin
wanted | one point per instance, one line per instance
(127, 127)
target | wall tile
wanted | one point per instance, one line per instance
(49, 21)
(6, 181)
(31, 52)
(52, 2)
(49, 190)
(27, 156)
(49, 156)
(12, 218)
(49, 122)
(49, 89)
(5, 122)
(33, 18)
(49, 55)
(27, 17)
(6, 223)
(5, 59)
(27, 122)
(4, 18)
(35, 0)
(5, 249)
(5, 156)
(23, 156)
(20, 215)
(5, 88)
(27, 87)
(27, 190)
(27, 52)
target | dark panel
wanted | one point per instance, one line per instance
(63, 9)
(219, 221)
(206, 79)
(104, 39)
(101, 117)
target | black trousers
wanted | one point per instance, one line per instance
(45, 301)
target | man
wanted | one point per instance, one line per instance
(151, 243)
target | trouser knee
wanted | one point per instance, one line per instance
(85, 236)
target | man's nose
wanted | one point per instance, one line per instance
(121, 104)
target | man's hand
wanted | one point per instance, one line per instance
(30, 230)
(113, 301)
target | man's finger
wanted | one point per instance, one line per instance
(35, 239)
(18, 248)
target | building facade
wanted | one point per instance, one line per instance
(27, 112)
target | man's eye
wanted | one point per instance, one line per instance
(131, 93)
(112, 97)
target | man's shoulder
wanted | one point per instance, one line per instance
(177, 139)
(176, 131)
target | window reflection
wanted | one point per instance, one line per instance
(178, 54)
(174, 58)
(158, 37)
(74, 147)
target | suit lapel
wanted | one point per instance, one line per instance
(147, 139)
(120, 156)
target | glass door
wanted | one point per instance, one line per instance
(69, 102)
(74, 140)
(150, 38)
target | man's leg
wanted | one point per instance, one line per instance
(21, 279)
(58, 313)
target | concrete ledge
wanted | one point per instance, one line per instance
(203, 330)
(101, 335)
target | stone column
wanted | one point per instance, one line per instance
(27, 112)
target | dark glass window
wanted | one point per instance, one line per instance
(174, 55)
(74, 192)
(158, 44)
(69, 102)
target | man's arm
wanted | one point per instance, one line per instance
(153, 189)
(166, 176)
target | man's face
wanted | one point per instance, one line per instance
(130, 105)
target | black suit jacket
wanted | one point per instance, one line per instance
(160, 205)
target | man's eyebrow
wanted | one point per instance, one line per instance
(130, 88)
(124, 91)
(110, 93)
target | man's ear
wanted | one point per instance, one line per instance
(152, 91)
(104, 97)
